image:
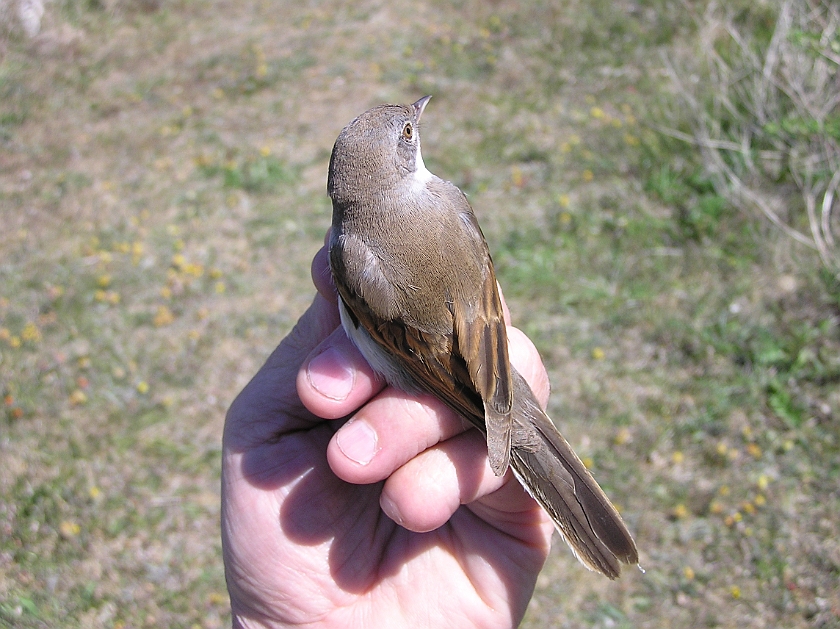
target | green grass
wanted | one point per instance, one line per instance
(162, 191)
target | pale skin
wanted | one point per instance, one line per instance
(392, 518)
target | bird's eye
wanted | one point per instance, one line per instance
(408, 131)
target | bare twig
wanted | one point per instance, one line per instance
(827, 204)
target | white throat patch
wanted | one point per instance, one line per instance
(421, 175)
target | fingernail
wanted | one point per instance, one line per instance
(357, 440)
(331, 375)
(390, 509)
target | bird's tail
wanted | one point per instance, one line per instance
(557, 479)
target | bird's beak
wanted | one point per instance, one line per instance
(419, 106)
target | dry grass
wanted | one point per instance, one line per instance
(762, 96)
(162, 180)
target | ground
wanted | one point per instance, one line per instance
(162, 191)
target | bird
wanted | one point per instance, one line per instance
(418, 296)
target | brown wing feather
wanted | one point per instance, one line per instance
(482, 340)
(424, 356)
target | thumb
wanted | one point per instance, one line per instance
(269, 403)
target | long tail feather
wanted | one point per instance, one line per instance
(549, 469)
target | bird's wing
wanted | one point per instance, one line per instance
(462, 360)
(481, 339)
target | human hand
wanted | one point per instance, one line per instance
(392, 518)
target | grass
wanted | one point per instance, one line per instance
(162, 193)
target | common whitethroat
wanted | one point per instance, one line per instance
(418, 297)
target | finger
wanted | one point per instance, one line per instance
(335, 379)
(526, 359)
(389, 431)
(424, 494)
(322, 276)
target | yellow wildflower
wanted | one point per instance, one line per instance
(196, 270)
(69, 529)
(163, 317)
(622, 437)
(31, 333)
